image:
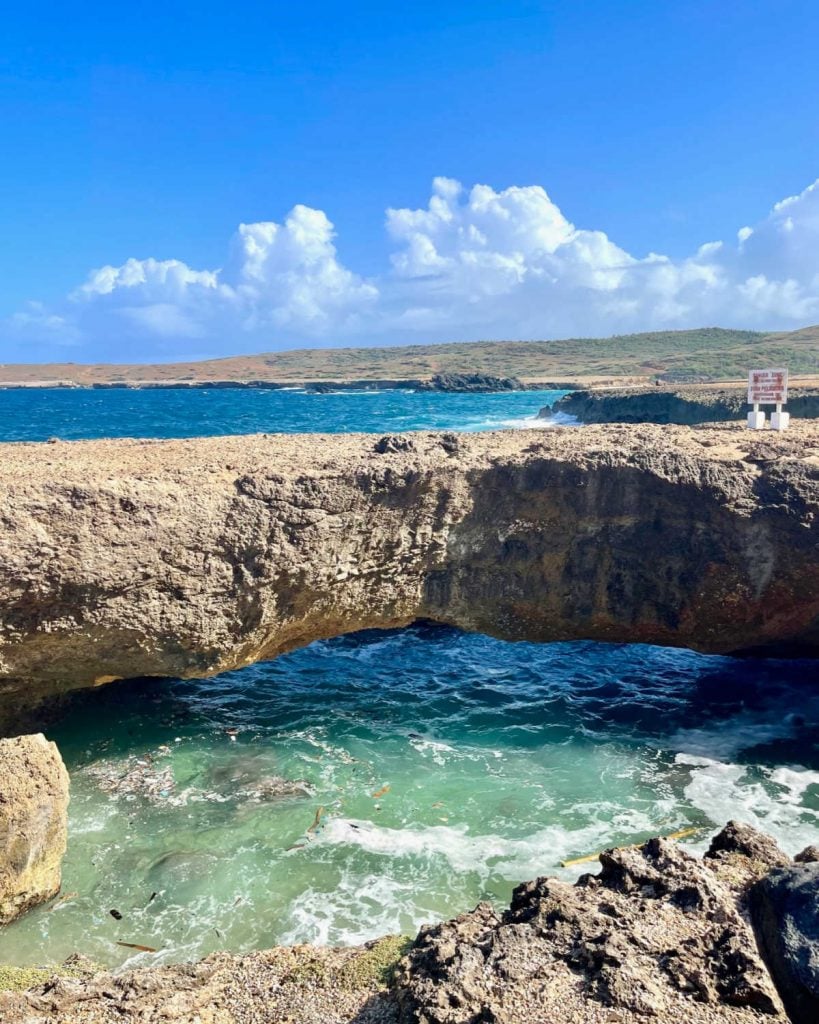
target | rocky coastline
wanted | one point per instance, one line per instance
(442, 382)
(687, 405)
(186, 558)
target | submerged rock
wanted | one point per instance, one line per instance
(657, 934)
(785, 910)
(33, 823)
(139, 775)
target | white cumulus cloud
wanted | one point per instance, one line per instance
(474, 263)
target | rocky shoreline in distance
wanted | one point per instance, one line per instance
(475, 383)
(687, 405)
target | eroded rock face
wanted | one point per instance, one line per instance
(187, 558)
(33, 823)
(658, 934)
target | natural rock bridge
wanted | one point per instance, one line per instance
(190, 557)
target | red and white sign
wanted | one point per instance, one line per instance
(769, 387)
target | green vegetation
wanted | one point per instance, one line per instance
(18, 979)
(376, 965)
(371, 968)
(708, 352)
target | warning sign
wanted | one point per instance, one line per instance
(768, 387)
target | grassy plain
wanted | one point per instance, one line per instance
(709, 352)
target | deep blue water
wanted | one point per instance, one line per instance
(29, 414)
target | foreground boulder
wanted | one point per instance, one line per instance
(658, 934)
(785, 909)
(33, 823)
(190, 557)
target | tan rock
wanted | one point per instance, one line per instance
(657, 934)
(33, 823)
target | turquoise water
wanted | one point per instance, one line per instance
(491, 762)
(371, 783)
(38, 414)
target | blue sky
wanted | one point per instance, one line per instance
(151, 135)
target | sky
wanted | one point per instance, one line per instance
(194, 180)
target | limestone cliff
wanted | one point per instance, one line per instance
(189, 557)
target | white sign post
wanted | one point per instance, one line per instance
(768, 387)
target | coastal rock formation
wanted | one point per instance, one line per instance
(687, 405)
(785, 909)
(657, 934)
(33, 823)
(186, 558)
(471, 382)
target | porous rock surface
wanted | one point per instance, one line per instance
(126, 558)
(286, 985)
(33, 823)
(657, 935)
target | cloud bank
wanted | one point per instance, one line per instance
(473, 264)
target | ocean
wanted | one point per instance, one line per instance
(37, 414)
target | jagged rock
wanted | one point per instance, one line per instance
(470, 382)
(785, 911)
(658, 934)
(743, 853)
(185, 558)
(394, 443)
(33, 823)
(808, 856)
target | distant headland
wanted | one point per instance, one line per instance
(701, 354)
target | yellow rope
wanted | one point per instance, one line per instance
(633, 846)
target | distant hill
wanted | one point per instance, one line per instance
(709, 352)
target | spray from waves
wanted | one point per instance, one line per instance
(396, 896)
(489, 854)
(531, 422)
(782, 801)
(355, 911)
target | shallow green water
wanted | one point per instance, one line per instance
(501, 759)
